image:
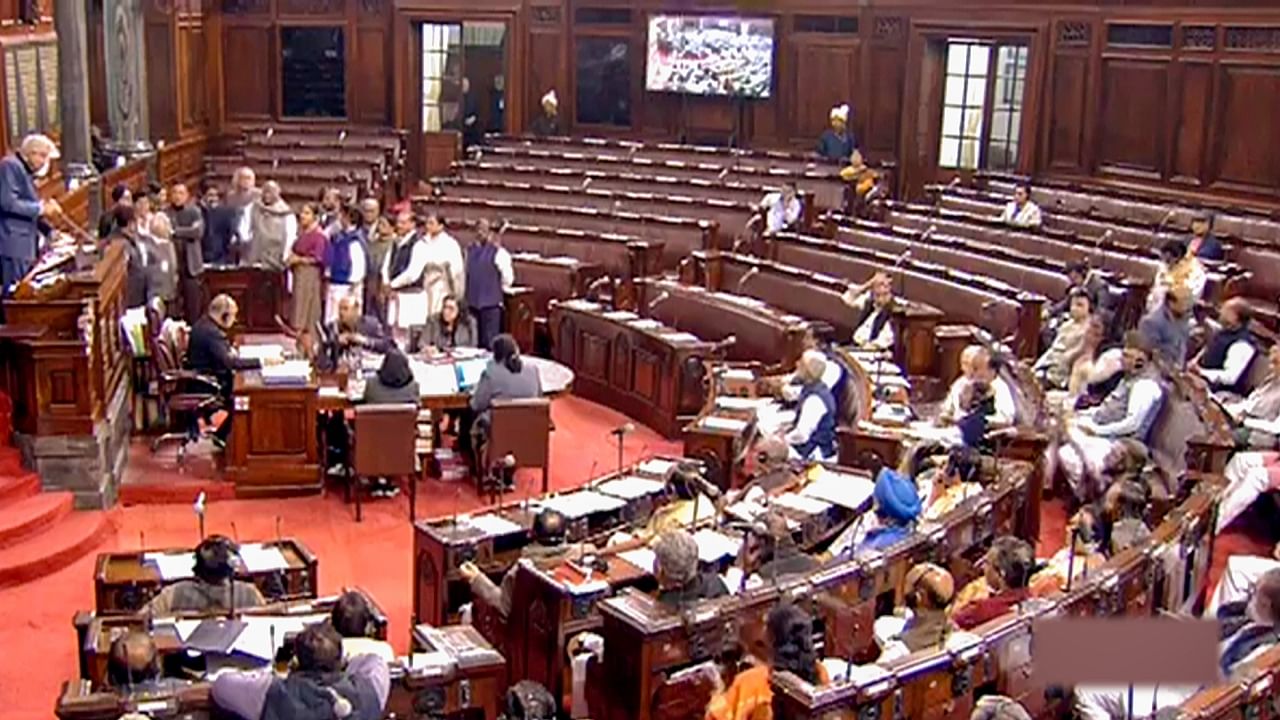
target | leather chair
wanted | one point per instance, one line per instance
(184, 396)
(519, 428)
(384, 444)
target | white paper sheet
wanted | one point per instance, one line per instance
(681, 337)
(738, 375)
(715, 422)
(262, 353)
(172, 566)
(262, 558)
(729, 402)
(630, 487)
(331, 391)
(582, 503)
(288, 371)
(848, 491)
(640, 557)
(801, 503)
(435, 378)
(494, 525)
(714, 546)
(656, 466)
(645, 324)
(263, 635)
(620, 315)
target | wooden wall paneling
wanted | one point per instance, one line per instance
(97, 66)
(1246, 139)
(249, 71)
(1194, 97)
(163, 72)
(370, 80)
(885, 56)
(193, 61)
(1066, 118)
(823, 72)
(1134, 115)
(546, 66)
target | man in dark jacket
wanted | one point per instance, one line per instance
(221, 228)
(209, 351)
(188, 237)
(22, 210)
(675, 565)
(547, 551)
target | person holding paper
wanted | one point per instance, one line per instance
(210, 590)
(547, 551)
(813, 437)
(1257, 417)
(675, 566)
(976, 366)
(1241, 640)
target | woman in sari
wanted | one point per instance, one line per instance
(306, 263)
(750, 697)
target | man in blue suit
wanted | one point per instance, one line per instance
(21, 209)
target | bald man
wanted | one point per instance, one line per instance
(272, 228)
(975, 367)
(209, 352)
(22, 212)
(813, 437)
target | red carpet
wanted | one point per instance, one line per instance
(375, 554)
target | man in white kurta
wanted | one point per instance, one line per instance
(444, 272)
(402, 269)
(975, 366)
(1021, 212)
(781, 209)
(872, 302)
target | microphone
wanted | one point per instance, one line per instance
(928, 233)
(142, 541)
(235, 533)
(342, 136)
(723, 174)
(279, 540)
(955, 181)
(586, 183)
(742, 281)
(623, 429)
(198, 509)
(1164, 220)
(270, 132)
(903, 258)
(725, 344)
(663, 297)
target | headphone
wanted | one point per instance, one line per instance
(916, 583)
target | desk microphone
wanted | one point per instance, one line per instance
(235, 534)
(723, 174)
(623, 429)
(142, 541)
(725, 344)
(1102, 256)
(198, 508)
(271, 131)
(279, 539)
(742, 281)
(955, 182)
(586, 183)
(1164, 220)
(663, 297)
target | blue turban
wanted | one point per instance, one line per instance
(896, 497)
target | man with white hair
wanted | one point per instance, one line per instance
(836, 143)
(243, 194)
(21, 209)
(272, 228)
(813, 437)
(547, 124)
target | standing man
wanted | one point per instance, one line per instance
(188, 233)
(488, 274)
(272, 229)
(22, 210)
(836, 143)
(378, 244)
(240, 198)
(221, 225)
(401, 275)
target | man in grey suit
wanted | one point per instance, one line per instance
(188, 232)
(22, 210)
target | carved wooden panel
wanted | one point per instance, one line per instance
(823, 77)
(593, 353)
(1068, 90)
(892, 30)
(1135, 35)
(245, 7)
(274, 430)
(193, 59)
(370, 76)
(1247, 151)
(162, 79)
(1133, 113)
(1265, 39)
(621, 368)
(1191, 130)
(545, 14)
(882, 118)
(310, 7)
(248, 69)
(1074, 33)
(646, 375)
(1199, 37)
(373, 7)
(545, 70)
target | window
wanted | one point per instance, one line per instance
(982, 105)
(964, 98)
(441, 74)
(604, 81)
(1006, 107)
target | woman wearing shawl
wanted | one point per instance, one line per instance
(306, 262)
(393, 385)
(750, 697)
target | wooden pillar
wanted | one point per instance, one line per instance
(124, 38)
(70, 19)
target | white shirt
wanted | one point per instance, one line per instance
(780, 214)
(505, 269)
(413, 273)
(1143, 400)
(1006, 411)
(1196, 279)
(830, 376)
(811, 413)
(862, 334)
(1026, 216)
(1238, 357)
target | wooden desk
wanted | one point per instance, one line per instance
(98, 632)
(274, 448)
(467, 685)
(124, 583)
(441, 545)
(258, 291)
(186, 701)
(637, 371)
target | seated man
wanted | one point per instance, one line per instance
(319, 686)
(1003, 585)
(547, 550)
(1224, 362)
(975, 366)
(1054, 366)
(781, 209)
(353, 619)
(897, 506)
(813, 437)
(349, 334)
(873, 304)
(1081, 555)
(1241, 642)
(998, 707)
(1128, 412)
(1257, 417)
(953, 483)
(207, 592)
(133, 665)
(675, 566)
(774, 550)
(1080, 278)
(1238, 581)
(923, 623)
(1020, 211)
(1249, 475)
(209, 352)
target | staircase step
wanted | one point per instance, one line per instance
(10, 459)
(18, 487)
(32, 516)
(63, 543)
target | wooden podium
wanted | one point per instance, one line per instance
(273, 448)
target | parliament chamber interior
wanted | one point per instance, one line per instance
(652, 360)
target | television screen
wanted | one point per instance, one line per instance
(710, 55)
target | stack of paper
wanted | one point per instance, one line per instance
(494, 525)
(289, 372)
(729, 402)
(620, 315)
(680, 337)
(581, 305)
(262, 558)
(645, 324)
(435, 378)
(631, 487)
(261, 353)
(656, 467)
(640, 557)
(847, 491)
(713, 546)
(582, 503)
(738, 375)
(715, 422)
(171, 566)
(801, 503)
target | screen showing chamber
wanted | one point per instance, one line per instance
(710, 55)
